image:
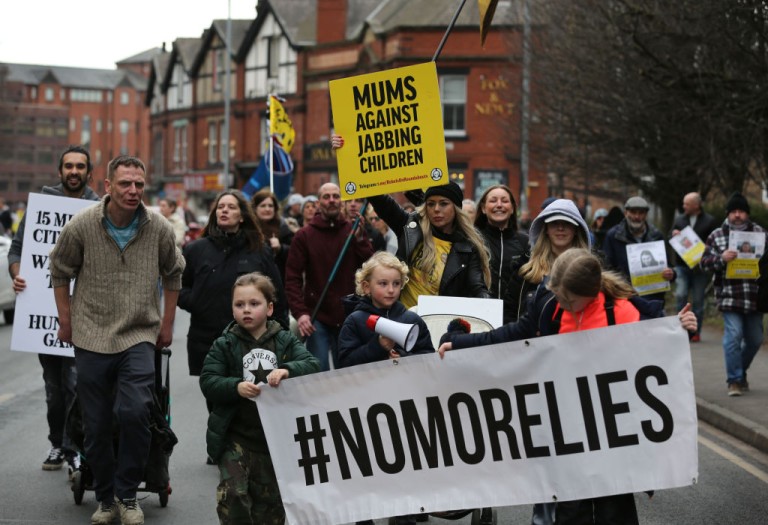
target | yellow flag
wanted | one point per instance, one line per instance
(487, 8)
(280, 125)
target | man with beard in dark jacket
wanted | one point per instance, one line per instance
(634, 229)
(311, 259)
(59, 373)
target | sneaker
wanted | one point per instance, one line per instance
(55, 459)
(105, 513)
(734, 389)
(695, 338)
(73, 460)
(744, 386)
(130, 512)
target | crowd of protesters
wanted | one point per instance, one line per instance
(435, 242)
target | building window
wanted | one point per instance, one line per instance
(72, 124)
(63, 94)
(125, 98)
(85, 132)
(49, 94)
(213, 142)
(125, 127)
(223, 149)
(45, 157)
(98, 125)
(453, 94)
(33, 93)
(97, 159)
(273, 56)
(180, 145)
(178, 76)
(86, 95)
(218, 69)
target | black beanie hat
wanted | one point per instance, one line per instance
(737, 202)
(450, 191)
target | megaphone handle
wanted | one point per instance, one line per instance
(386, 346)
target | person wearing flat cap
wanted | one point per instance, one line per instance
(634, 229)
(736, 298)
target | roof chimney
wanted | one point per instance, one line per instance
(331, 21)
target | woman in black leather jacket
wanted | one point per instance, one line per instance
(444, 252)
(425, 235)
(496, 220)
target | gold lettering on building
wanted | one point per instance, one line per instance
(495, 105)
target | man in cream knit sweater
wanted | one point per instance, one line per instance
(116, 251)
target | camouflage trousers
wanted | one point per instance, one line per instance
(248, 493)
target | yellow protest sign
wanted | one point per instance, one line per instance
(651, 283)
(392, 124)
(742, 269)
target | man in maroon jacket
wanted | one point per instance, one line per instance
(311, 258)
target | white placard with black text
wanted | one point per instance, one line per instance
(36, 322)
(571, 416)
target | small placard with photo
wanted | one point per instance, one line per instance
(749, 247)
(647, 262)
(688, 246)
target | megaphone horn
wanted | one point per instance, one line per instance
(403, 334)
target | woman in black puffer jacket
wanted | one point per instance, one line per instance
(496, 220)
(231, 245)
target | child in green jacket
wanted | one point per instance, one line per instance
(251, 352)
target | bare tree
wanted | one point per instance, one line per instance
(669, 97)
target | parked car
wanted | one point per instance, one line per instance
(7, 295)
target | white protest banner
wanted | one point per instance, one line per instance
(578, 415)
(36, 323)
(647, 261)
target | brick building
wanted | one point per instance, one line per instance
(294, 48)
(45, 108)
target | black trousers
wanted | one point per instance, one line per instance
(60, 377)
(608, 510)
(116, 387)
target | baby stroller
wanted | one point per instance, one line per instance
(156, 477)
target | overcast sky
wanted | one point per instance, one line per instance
(98, 33)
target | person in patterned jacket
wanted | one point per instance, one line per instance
(736, 298)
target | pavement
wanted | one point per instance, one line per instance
(745, 417)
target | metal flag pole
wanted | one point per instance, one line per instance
(448, 31)
(271, 146)
(338, 261)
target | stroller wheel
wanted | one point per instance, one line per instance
(78, 486)
(163, 495)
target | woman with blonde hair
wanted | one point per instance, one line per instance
(557, 228)
(444, 252)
